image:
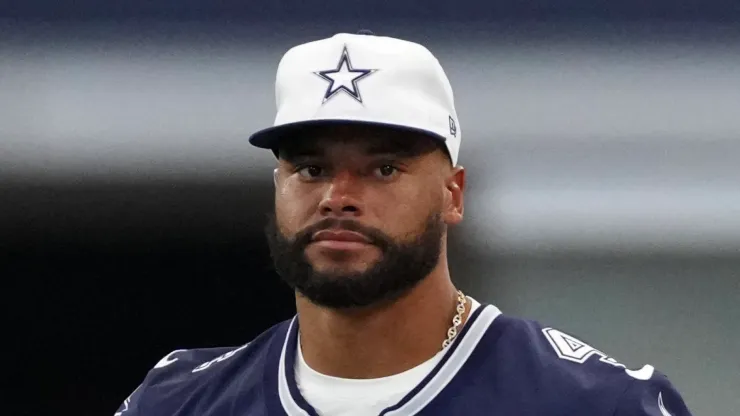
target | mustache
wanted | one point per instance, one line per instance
(376, 237)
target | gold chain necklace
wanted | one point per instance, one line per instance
(456, 320)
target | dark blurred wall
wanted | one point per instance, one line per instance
(106, 277)
(429, 10)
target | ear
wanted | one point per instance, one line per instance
(455, 204)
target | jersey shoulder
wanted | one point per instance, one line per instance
(197, 376)
(572, 367)
(563, 354)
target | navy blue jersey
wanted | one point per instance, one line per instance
(498, 365)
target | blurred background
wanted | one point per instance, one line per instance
(601, 141)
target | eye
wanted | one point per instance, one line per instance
(310, 171)
(385, 171)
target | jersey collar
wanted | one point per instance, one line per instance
(284, 397)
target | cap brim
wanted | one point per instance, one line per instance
(272, 137)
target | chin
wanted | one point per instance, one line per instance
(352, 260)
(340, 269)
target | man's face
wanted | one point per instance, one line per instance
(361, 214)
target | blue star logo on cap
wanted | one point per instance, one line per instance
(344, 78)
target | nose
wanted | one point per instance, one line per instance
(340, 198)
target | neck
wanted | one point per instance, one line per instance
(379, 341)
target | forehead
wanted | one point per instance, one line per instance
(358, 138)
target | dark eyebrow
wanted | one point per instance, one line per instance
(379, 149)
(298, 152)
(402, 148)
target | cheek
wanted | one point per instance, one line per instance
(285, 214)
(417, 197)
(292, 209)
(407, 210)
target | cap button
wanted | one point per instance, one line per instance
(365, 32)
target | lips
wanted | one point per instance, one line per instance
(341, 235)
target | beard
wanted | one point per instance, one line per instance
(402, 265)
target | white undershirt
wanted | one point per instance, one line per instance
(334, 396)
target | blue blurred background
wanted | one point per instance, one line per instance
(601, 141)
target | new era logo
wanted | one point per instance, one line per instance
(453, 127)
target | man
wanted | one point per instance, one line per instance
(367, 183)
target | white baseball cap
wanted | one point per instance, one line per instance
(366, 79)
